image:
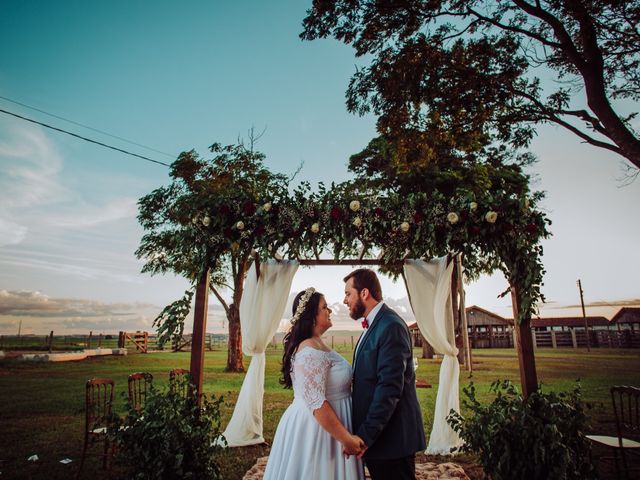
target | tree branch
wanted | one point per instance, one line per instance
(461, 32)
(566, 42)
(522, 31)
(587, 138)
(586, 117)
(220, 299)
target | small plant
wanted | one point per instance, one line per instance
(541, 437)
(170, 437)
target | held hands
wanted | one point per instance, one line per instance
(354, 445)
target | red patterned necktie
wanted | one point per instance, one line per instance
(365, 323)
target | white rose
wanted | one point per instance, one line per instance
(491, 217)
(354, 205)
(206, 221)
(404, 226)
(194, 220)
(240, 225)
(473, 206)
(452, 217)
(357, 221)
(266, 207)
(315, 228)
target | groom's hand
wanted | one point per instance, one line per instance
(363, 448)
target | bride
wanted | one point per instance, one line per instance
(313, 440)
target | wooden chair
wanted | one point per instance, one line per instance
(139, 384)
(179, 373)
(626, 410)
(98, 403)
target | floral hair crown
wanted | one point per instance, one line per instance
(302, 304)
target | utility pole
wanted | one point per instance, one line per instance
(584, 316)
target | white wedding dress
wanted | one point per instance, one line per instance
(302, 449)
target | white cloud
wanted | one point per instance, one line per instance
(38, 313)
(30, 166)
(29, 177)
(73, 266)
(89, 216)
(11, 233)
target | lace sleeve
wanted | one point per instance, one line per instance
(311, 368)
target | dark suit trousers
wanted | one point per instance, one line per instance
(396, 469)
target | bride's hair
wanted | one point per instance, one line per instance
(299, 331)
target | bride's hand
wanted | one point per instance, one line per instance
(354, 445)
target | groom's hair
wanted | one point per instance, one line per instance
(366, 278)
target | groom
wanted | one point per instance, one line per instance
(386, 412)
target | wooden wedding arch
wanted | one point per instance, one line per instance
(216, 212)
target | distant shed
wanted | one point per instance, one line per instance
(627, 318)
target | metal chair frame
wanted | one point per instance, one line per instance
(98, 408)
(626, 411)
(173, 377)
(139, 384)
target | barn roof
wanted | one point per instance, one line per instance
(627, 315)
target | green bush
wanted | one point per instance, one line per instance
(171, 437)
(542, 437)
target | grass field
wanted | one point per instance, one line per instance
(41, 404)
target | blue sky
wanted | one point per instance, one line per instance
(180, 76)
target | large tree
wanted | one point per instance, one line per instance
(472, 73)
(207, 221)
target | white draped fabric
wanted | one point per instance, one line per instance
(429, 286)
(263, 303)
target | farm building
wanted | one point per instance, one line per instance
(489, 330)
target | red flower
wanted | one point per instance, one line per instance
(259, 230)
(336, 213)
(249, 208)
(418, 217)
(378, 212)
(507, 227)
(464, 215)
(474, 230)
(531, 228)
(228, 233)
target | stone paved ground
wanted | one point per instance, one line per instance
(424, 471)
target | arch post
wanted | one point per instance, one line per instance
(199, 334)
(524, 347)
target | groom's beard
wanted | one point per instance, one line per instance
(358, 310)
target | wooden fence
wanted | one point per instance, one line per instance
(53, 342)
(571, 338)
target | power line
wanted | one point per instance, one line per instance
(88, 127)
(85, 138)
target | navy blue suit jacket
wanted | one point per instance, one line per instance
(386, 412)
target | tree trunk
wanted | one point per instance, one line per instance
(234, 346)
(427, 349)
(616, 130)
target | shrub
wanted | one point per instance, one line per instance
(171, 437)
(541, 437)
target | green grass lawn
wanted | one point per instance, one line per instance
(41, 404)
